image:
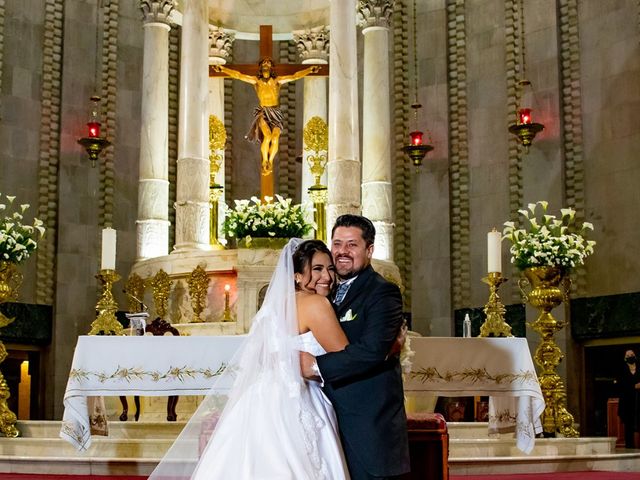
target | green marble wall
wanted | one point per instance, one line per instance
(605, 316)
(514, 316)
(32, 324)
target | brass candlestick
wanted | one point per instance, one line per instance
(106, 323)
(226, 315)
(215, 193)
(494, 325)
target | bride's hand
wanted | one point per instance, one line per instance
(396, 348)
(308, 366)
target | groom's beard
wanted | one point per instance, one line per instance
(348, 272)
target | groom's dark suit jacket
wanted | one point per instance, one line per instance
(364, 386)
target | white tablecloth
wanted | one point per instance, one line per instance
(501, 368)
(147, 366)
(163, 366)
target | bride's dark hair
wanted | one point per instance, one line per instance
(304, 254)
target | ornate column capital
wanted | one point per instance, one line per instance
(157, 11)
(375, 13)
(220, 42)
(313, 44)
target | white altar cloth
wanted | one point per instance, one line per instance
(161, 366)
(501, 368)
(146, 366)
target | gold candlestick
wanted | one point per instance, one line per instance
(106, 323)
(215, 193)
(494, 325)
(226, 315)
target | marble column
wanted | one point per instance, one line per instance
(344, 160)
(220, 43)
(377, 203)
(192, 193)
(313, 47)
(152, 226)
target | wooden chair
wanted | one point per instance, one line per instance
(428, 447)
(157, 328)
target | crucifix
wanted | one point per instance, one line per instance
(268, 118)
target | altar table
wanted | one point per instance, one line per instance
(163, 366)
(500, 368)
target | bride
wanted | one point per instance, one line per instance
(273, 423)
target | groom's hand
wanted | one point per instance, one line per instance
(309, 367)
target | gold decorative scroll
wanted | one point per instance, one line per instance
(134, 288)
(161, 286)
(198, 282)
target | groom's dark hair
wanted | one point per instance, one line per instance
(363, 223)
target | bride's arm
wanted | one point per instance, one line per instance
(316, 314)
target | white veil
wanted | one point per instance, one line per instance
(268, 352)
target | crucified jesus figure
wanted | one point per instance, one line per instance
(268, 119)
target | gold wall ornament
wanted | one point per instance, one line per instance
(545, 295)
(494, 324)
(134, 288)
(161, 287)
(217, 140)
(316, 135)
(198, 282)
(106, 322)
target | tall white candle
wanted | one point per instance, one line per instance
(494, 253)
(108, 249)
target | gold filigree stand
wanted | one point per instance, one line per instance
(545, 295)
(106, 322)
(316, 140)
(494, 325)
(10, 281)
(198, 283)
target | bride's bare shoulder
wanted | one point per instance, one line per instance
(312, 300)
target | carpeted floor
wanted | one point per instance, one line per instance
(30, 476)
(554, 476)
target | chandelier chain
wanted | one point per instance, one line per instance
(523, 64)
(415, 56)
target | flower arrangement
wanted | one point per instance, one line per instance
(270, 218)
(17, 240)
(547, 240)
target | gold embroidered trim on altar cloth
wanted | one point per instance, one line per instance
(474, 375)
(124, 373)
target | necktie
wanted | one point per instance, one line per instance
(341, 292)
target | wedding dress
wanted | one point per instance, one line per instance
(270, 424)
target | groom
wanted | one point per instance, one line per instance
(362, 382)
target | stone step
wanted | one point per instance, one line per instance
(544, 447)
(613, 462)
(117, 429)
(134, 448)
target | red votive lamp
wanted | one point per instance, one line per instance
(524, 116)
(94, 129)
(416, 137)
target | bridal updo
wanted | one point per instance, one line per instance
(304, 254)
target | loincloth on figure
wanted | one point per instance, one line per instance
(272, 115)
